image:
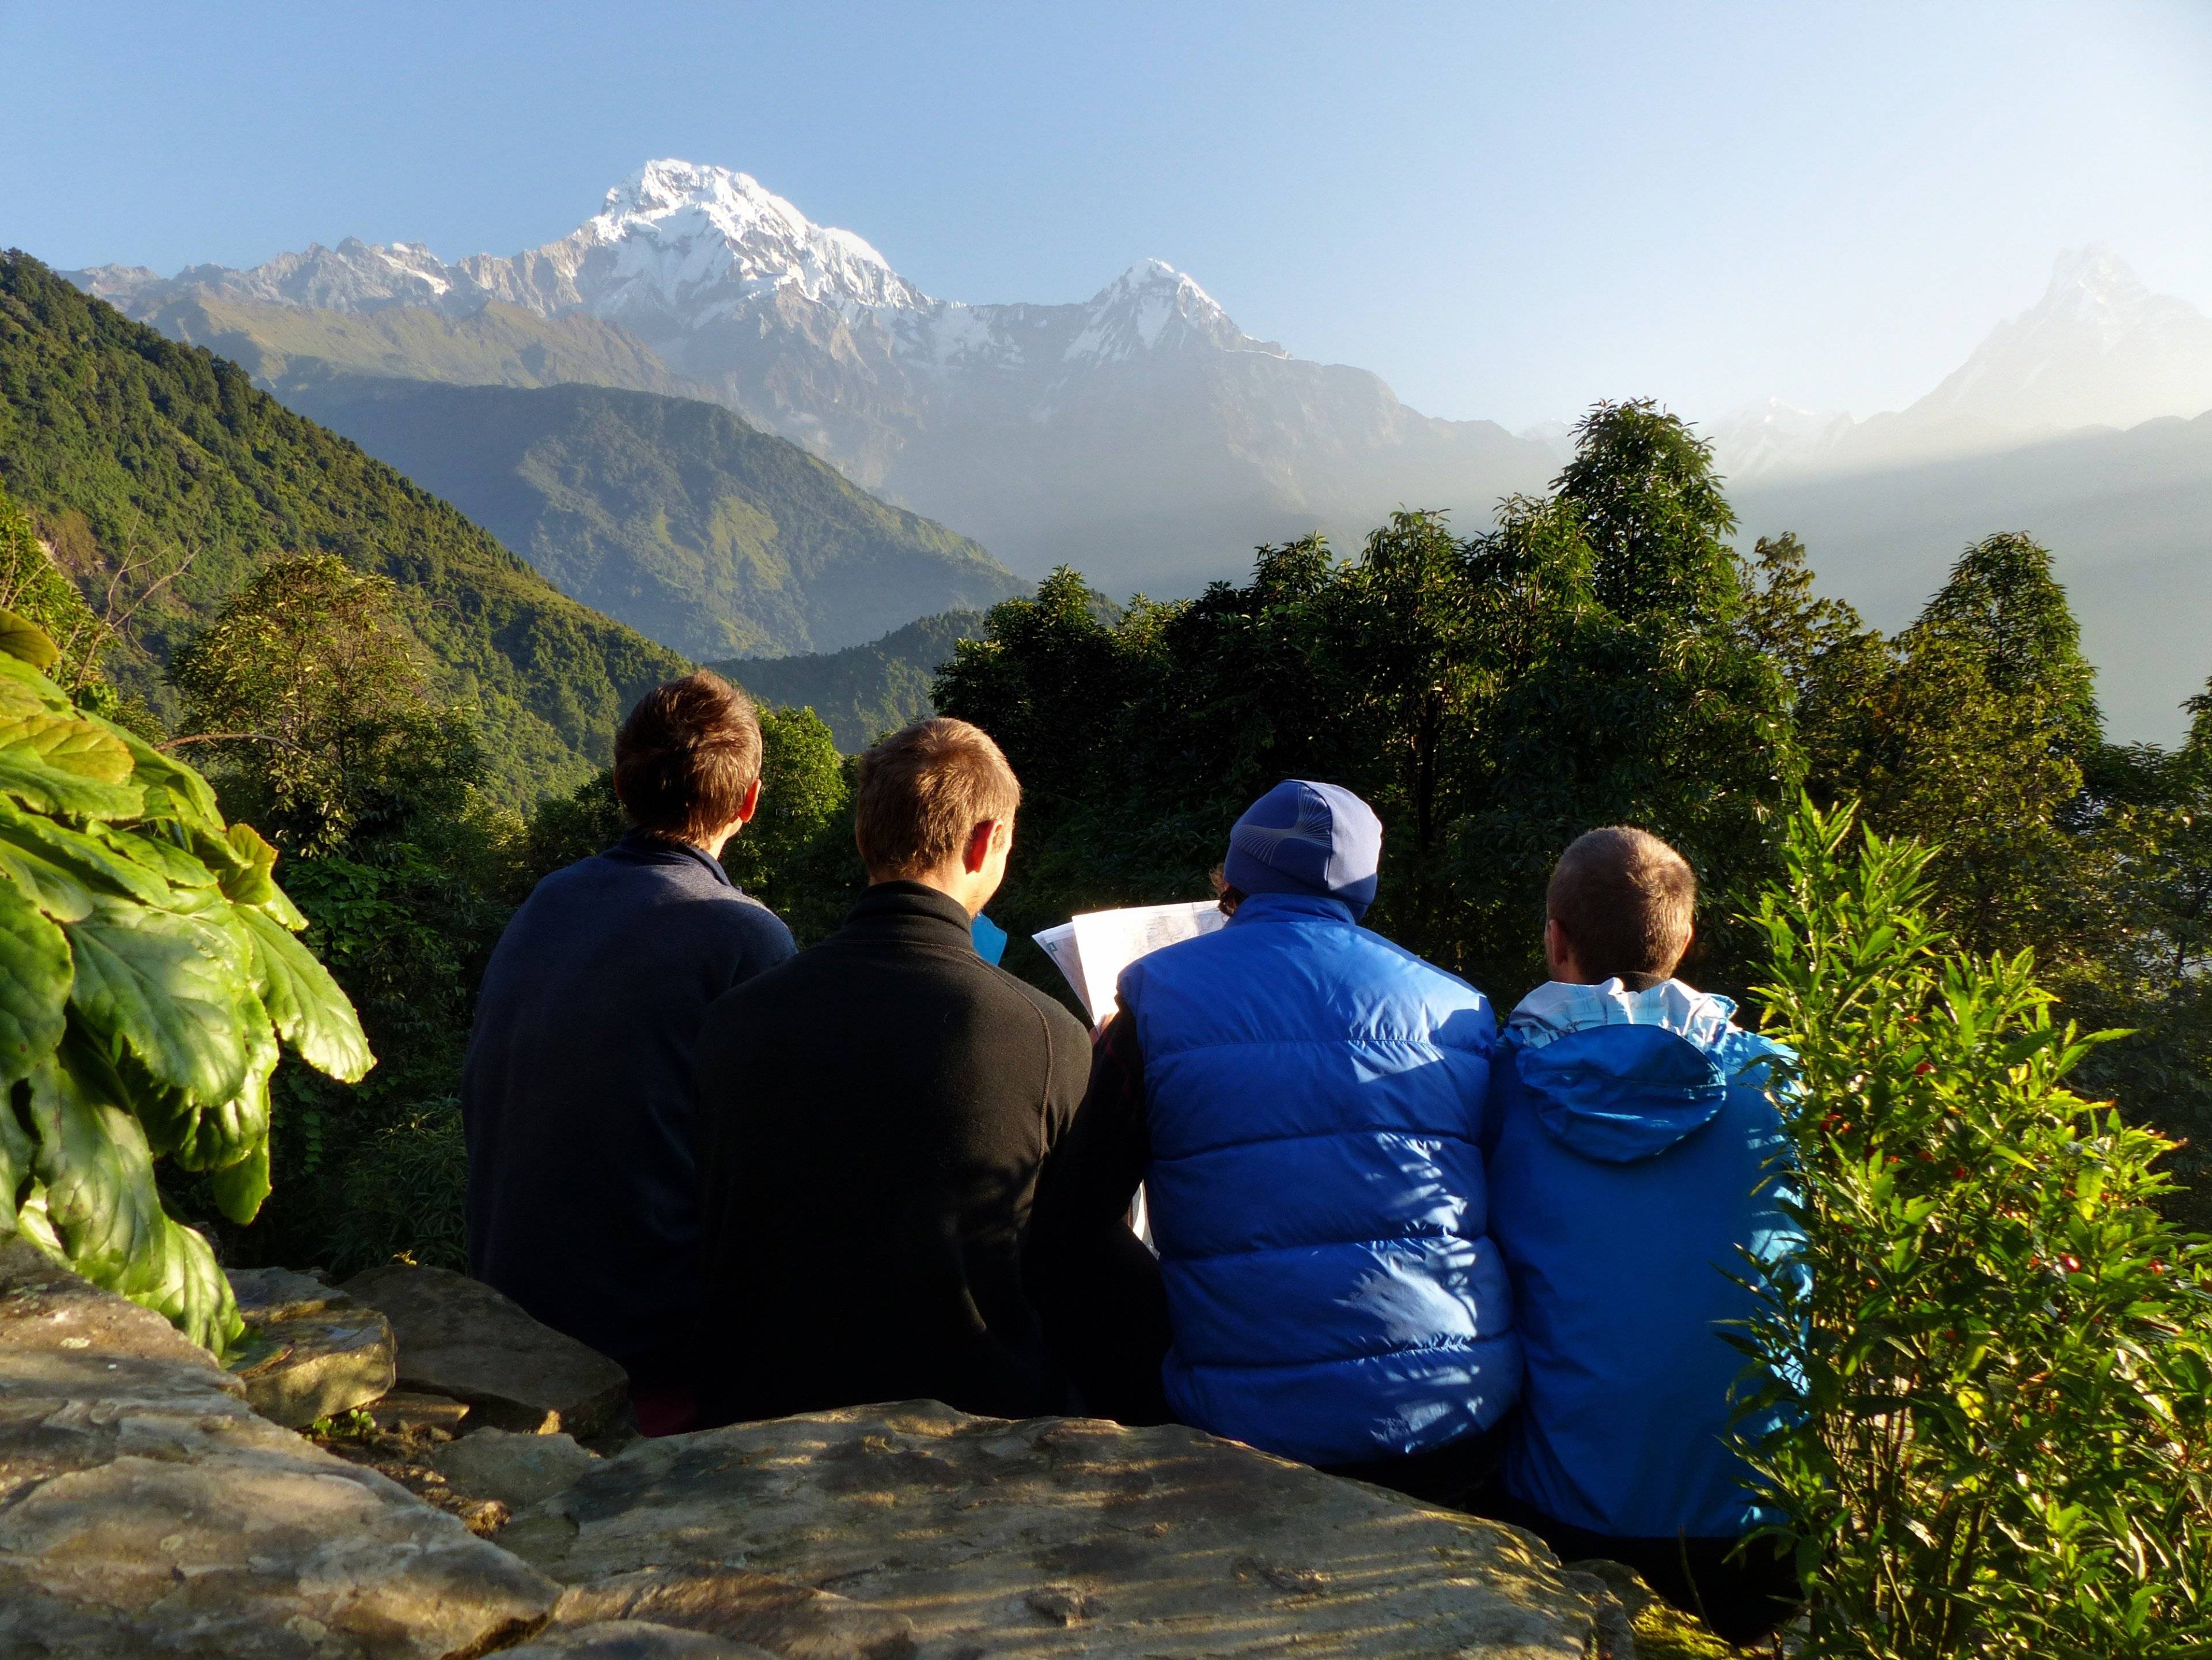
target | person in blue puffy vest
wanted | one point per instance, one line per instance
(1634, 1158)
(1302, 1102)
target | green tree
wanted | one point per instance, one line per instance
(1988, 1368)
(1979, 732)
(310, 698)
(150, 975)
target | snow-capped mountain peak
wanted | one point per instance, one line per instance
(1149, 306)
(682, 227)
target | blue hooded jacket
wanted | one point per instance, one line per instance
(1635, 1157)
(1314, 1099)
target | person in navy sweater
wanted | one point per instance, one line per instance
(1302, 1102)
(1634, 1158)
(577, 1095)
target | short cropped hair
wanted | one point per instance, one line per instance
(923, 790)
(686, 757)
(1626, 901)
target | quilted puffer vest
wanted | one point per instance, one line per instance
(1315, 1096)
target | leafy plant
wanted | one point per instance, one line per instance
(1991, 1360)
(149, 975)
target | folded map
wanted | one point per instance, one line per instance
(1094, 948)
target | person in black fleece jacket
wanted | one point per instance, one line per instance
(873, 1116)
(576, 1096)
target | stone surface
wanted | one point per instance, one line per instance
(461, 1338)
(515, 1469)
(632, 1640)
(266, 1294)
(403, 1410)
(316, 1363)
(793, 1620)
(1052, 1537)
(146, 1509)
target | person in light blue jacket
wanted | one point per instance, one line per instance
(1302, 1101)
(1635, 1158)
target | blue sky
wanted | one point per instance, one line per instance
(1507, 212)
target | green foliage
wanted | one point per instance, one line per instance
(863, 691)
(675, 515)
(797, 856)
(178, 481)
(1992, 1358)
(309, 697)
(1434, 676)
(147, 976)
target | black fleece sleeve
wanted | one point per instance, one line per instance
(1093, 1282)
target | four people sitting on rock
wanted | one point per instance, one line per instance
(1489, 1270)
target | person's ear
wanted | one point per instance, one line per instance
(1558, 951)
(750, 804)
(977, 852)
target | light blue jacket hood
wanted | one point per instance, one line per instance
(1645, 1069)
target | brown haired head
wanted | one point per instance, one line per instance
(688, 757)
(923, 790)
(1626, 903)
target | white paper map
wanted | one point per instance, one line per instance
(1093, 950)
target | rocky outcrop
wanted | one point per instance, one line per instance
(460, 1338)
(311, 1352)
(514, 1470)
(916, 1531)
(629, 1640)
(146, 1509)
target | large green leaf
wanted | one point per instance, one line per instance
(222, 1135)
(23, 640)
(243, 862)
(240, 1188)
(68, 742)
(150, 849)
(312, 1015)
(168, 987)
(173, 790)
(102, 1205)
(55, 853)
(18, 1154)
(34, 988)
(26, 774)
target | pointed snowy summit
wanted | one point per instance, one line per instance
(1153, 307)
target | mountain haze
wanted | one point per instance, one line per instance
(2099, 349)
(1140, 435)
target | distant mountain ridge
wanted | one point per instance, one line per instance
(863, 691)
(673, 515)
(2099, 349)
(1140, 435)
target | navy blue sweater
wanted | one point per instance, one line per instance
(578, 1093)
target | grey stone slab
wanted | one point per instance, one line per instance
(459, 1337)
(146, 1509)
(318, 1363)
(790, 1618)
(627, 1639)
(1055, 1537)
(266, 1294)
(516, 1469)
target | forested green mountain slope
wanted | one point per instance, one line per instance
(676, 516)
(160, 470)
(863, 691)
(290, 347)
